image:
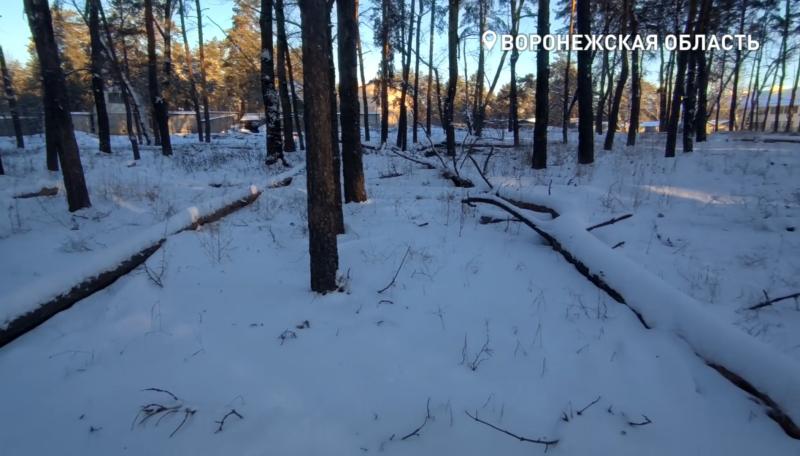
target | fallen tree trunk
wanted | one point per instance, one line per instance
(743, 361)
(44, 191)
(443, 169)
(37, 303)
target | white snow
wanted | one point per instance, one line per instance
(709, 233)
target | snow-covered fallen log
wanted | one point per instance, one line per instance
(44, 191)
(38, 301)
(750, 365)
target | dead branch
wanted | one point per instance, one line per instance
(221, 422)
(481, 172)
(415, 432)
(640, 423)
(187, 412)
(44, 191)
(543, 441)
(610, 222)
(285, 182)
(768, 302)
(159, 390)
(396, 273)
(580, 412)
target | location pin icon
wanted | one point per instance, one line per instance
(488, 39)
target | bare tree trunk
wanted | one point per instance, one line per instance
(98, 87)
(11, 98)
(478, 106)
(542, 89)
(784, 55)
(160, 109)
(337, 158)
(737, 63)
(364, 99)
(268, 92)
(662, 94)
(613, 115)
(203, 83)
(321, 192)
(636, 92)
(565, 101)
(402, 123)
(295, 102)
(347, 39)
(415, 112)
(190, 72)
(701, 115)
(790, 114)
(119, 75)
(385, 76)
(452, 59)
(429, 94)
(56, 103)
(677, 93)
(283, 87)
(585, 133)
(167, 35)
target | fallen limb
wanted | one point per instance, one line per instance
(610, 222)
(445, 171)
(44, 191)
(739, 358)
(769, 302)
(543, 441)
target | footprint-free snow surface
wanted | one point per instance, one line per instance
(217, 346)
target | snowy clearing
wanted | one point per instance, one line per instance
(480, 319)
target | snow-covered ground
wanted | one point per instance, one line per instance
(484, 319)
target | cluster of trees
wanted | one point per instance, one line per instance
(80, 52)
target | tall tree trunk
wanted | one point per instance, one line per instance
(190, 72)
(429, 94)
(792, 99)
(11, 98)
(203, 82)
(283, 87)
(585, 133)
(613, 114)
(160, 108)
(321, 191)
(678, 91)
(636, 93)
(56, 103)
(167, 34)
(784, 55)
(718, 101)
(754, 91)
(737, 63)
(701, 115)
(598, 117)
(478, 106)
(364, 99)
(769, 98)
(662, 94)
(402, 123)
(268, 92)
(98, 87)
(513, 97)
(295, 101)
(119, 75)
(565, 101)
(337, 157)
(347, 39)
(542, 89)
(415, 113)
(386, 54)
(452, 60)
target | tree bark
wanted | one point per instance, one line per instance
(295, 101)
(190, 72)
(415, 96)
(386, 54)
(11, 98)
(478, 108)
(283, 88)
(268, 92)
(203, 82)
(792, 99)
(364, 99)
(636, 92)
(565, 99)
(160, 108)
(56, 103)
(678, 91)
(737, 63)
(347, 38)
(452, 60)
(585, 133)
(784, 55)
(321, 192)
(429, 91)
(337, 157)
(98, 86)
(542, 89)
(613, 115)
(402, 123)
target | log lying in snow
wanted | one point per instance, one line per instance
(744, 361)
(44, 191)
(447, 173)
(36, 303)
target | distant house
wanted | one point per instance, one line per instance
(767, 104)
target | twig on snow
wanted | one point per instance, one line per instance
(543, 441)
(768, 302)
(221, 422)
(402, 262)
(415, 432)
(610, 222)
